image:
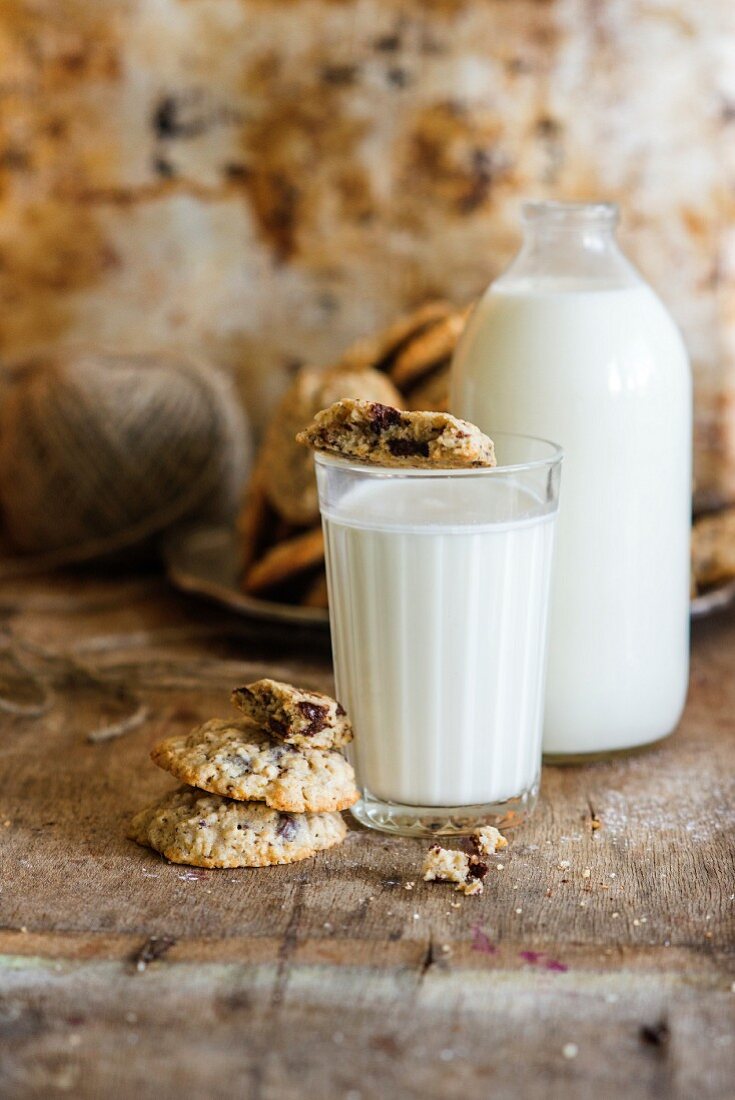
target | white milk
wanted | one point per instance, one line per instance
(603, 372)
(439, 637)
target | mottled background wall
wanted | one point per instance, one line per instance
(268, 179)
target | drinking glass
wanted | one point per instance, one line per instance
(438, 603)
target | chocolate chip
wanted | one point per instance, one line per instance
(408, 447)
(383, 416)
(287, 827)
(477, 869)
(341, 710)
(315, 715)
(279, 728)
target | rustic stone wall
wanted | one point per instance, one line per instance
(268, 179)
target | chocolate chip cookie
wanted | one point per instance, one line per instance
(307, 719)
(287, 469)
(237, 759)
(428, 351)
(285, 561)
(379, 435)
(207, 830)
(379, 351)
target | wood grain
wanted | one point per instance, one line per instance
(330, 978)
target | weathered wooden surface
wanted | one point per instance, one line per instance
(330, 978)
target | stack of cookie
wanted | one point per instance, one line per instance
(262, 789)
(405, 366)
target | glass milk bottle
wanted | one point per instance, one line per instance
(572, 345)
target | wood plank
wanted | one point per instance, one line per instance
(215, 1029)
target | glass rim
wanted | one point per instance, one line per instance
(555, 456)
(558, 212)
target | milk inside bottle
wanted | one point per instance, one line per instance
(572, 345)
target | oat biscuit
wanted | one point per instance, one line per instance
(379, 435)
(207, 830)
(425, 352)
(285, 561)
(233, 757)
(287, 469)
(307, 719)
(378, 351)
(713, 548)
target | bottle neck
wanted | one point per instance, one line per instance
(569, 246)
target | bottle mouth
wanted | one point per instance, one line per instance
(576, 214)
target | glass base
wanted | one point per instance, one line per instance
(433, 821)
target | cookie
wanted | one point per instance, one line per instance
(255, 521)
(287, 469)
(432, 392)
(713, 548)
(293, 715)
(316, 595)
(378, 435)
(285, 561)
(207, 830)
(377, 351)
(237, 759)
(428, 350)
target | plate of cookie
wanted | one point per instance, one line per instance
(271, 564)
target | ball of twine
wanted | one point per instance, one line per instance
(100, 452)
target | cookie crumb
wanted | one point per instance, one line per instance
(563, 864)
(444, 865)
(470, 887)
(447, 865)
(570, 1050)
(488, 840)
(586, 873)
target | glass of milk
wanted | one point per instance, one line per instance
(438, 602)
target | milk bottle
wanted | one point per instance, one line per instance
(572, 345)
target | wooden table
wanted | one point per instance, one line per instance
(344, 976)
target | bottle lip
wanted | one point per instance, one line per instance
(569, 213)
